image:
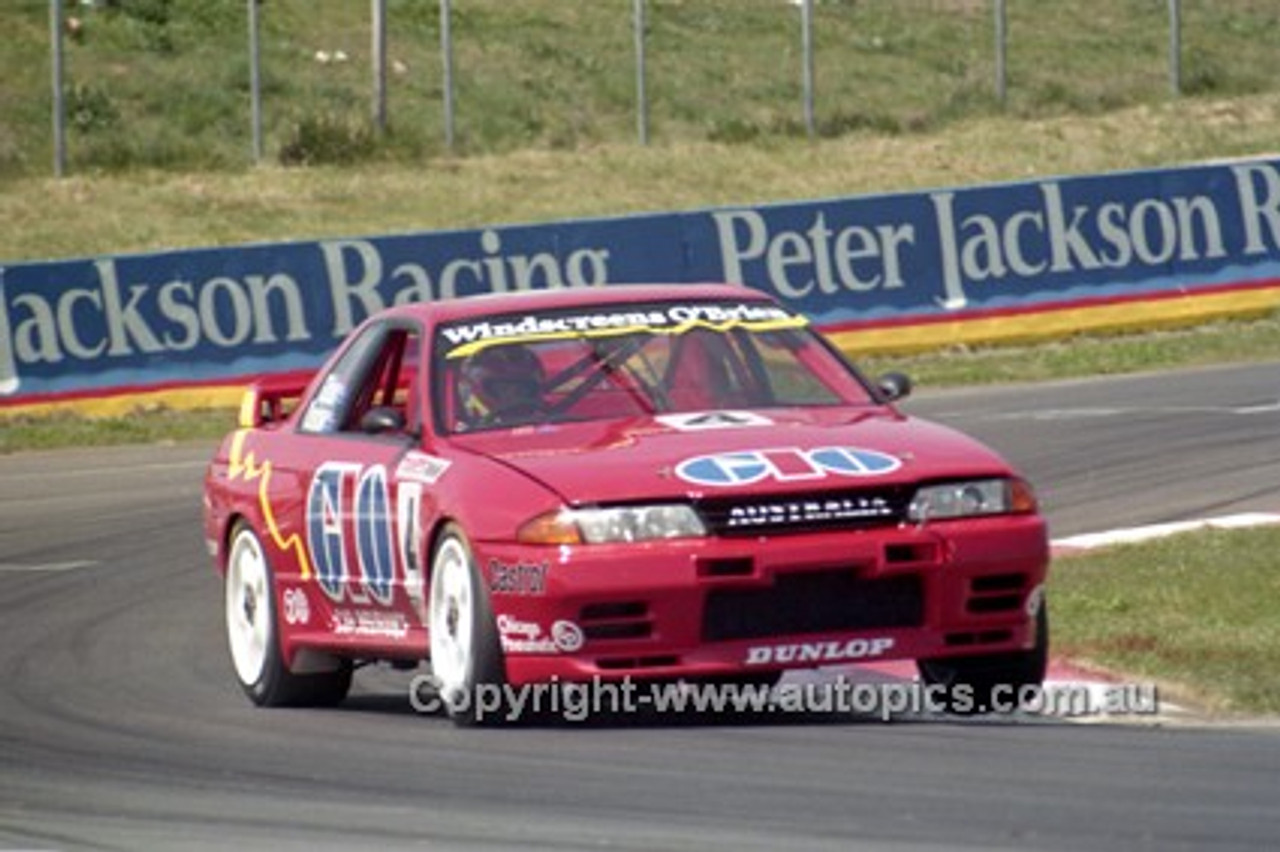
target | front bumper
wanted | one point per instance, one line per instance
(720, 607)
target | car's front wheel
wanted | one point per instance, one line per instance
(466, 655)
(253, 635)
(982, 683)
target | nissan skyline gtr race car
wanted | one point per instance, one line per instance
(657, 482)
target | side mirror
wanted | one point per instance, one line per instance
(894, 386)
(382, 419)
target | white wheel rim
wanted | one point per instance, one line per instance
(248, 608)
(452, 619)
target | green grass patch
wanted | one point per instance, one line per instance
(1096, 355)
(1196, 612)
(145, 426)
(165, 83)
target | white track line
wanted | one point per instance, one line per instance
(46, 567)
(1131, 535)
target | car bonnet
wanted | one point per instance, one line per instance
(711, 453)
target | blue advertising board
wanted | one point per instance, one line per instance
(119, 323)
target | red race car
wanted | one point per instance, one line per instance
(667, 483)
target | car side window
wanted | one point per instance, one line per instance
(389, 389)
(377, 373)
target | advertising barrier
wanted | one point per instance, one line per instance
(878, 273)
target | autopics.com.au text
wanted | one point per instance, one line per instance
(580, 701)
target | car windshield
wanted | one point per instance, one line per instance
(609, 361)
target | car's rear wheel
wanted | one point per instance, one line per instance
(981, 683)
(254, 640)
(466, 654)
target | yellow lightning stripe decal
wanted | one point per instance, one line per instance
(241, 465)
(536, 337)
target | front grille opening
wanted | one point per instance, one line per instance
(813, 602)
(743, 567)
(996, 603)
(996, 593)
(985, 637)
(998, 583)
(911, 553)
(613, 609)
(616, 620)
(654, 662)
(806, 512)
(617, 630)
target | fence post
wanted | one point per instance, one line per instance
(446, 54)
(806, 40)
(378, 14)
(59, 105)
(642, 97)
(1002, 54)
(255, 83)
(1175, 47)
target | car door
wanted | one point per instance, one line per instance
(361, 485)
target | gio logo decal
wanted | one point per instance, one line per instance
(785, 465)
(348, 501)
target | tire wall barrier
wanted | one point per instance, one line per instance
(879, 274)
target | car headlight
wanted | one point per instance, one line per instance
(622, 524)
(971, 499)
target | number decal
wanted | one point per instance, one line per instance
(408, 511)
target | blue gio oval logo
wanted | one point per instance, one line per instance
(785, 465)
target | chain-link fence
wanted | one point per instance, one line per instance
(209, 84)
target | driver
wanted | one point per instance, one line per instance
(500, 384)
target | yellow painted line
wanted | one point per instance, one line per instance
(181, 399)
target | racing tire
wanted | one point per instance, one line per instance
(466, 654)
(253, 635)
(976, 684)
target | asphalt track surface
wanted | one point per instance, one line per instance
(121, 726)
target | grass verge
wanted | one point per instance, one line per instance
(1227, 342)
(560, 76)
(1194, 613)
(66, 430)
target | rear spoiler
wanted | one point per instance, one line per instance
(271, 399)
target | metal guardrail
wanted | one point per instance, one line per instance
(639, 14)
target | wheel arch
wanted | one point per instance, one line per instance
(227, 533)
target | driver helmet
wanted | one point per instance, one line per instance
(500, 382)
